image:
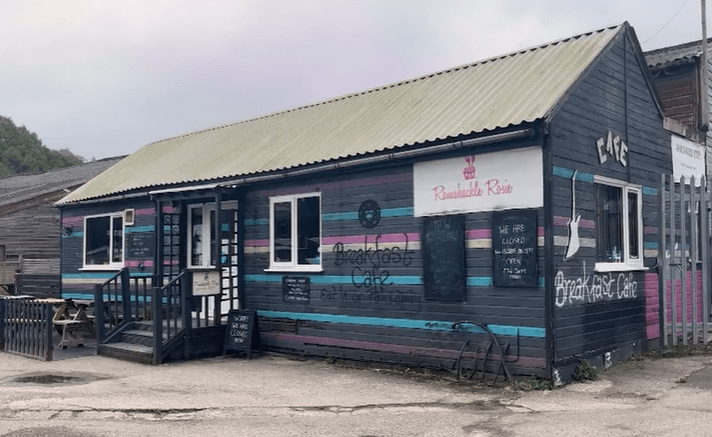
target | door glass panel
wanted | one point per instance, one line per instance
(282, 232)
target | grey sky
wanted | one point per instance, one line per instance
(104, 78)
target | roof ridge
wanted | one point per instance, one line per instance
(393, 84)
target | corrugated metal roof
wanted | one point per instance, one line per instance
(675, 54)
(23, 187)
(507, 90)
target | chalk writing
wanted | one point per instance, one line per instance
(369, 262)
(374, 296)
(594, 288)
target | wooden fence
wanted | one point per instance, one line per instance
(26, 327)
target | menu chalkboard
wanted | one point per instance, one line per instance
(443, 245)
(295, 289)
(514, 248)
(140, 245)
(242, 332)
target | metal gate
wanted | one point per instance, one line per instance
(684, 261)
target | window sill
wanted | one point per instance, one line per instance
(310, 269)
(619, 267)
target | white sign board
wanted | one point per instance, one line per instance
(688, 158)
(485, 182)
(206, 282)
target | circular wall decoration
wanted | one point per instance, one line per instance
(369, 214)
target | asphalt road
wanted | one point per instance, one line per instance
(278, 396)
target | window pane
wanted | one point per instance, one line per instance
(196, 236)
(282, 232)
(117, 242)
(212, 238)
(609, 228)
(633, 224)
(96, 234)
(308, 229)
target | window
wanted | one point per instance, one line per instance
(295, 232)
(201, 240)
(104, 241)
(619, 225)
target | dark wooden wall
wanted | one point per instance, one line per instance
(78, 283)
(596, 312)
(374, 307)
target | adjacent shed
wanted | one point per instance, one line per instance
(30, 225)
(500, 214)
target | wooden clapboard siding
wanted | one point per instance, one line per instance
(77, 281)
(392, 189)
(613, 96)
(677, 88)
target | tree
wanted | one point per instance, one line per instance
(22, 151)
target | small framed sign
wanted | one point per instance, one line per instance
(206, 282)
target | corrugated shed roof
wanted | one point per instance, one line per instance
(23, 187)
(675, 54)
(503, 91)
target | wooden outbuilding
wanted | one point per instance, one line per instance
(30, 228)
(498, 215)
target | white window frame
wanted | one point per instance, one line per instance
(112, 265)
(293, 265)
(627, 263)
(207, 232)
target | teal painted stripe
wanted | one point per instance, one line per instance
(648, 191)
(567, 173)
(653, 245)
(525, 331)
(353, 215)
(318, 279)
(102, 275)
(75, 234)
(256, 222)
(135, 229)
(473, 281)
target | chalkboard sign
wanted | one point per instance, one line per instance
(514, 248)
(140, 245)
(295, 289)
(242, 332)
(443, 246)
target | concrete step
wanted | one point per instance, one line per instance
(127, 351)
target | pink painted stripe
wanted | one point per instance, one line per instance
(564, 221)
(169, 262)
(170, 209)
(476, 234)
(73, 220)
(371, 239)
(384, 180)
(472, 234)
(650, 230)
(145, 211)
(393, 348)
(134, 263)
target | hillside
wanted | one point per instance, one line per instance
(22, 151)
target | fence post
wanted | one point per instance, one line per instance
(3, 311)
(49, 328)
(157, 314)
(185, 285)
(99, 313)
(662, 265)
(126, 294)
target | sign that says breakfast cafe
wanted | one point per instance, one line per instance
(485, 182)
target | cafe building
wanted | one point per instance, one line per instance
(500, 215)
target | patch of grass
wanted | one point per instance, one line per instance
(586, 372)
(533, 383)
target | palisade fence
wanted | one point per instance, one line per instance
(26, 327)
(684, 260)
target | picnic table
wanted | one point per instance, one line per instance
(70, 318)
